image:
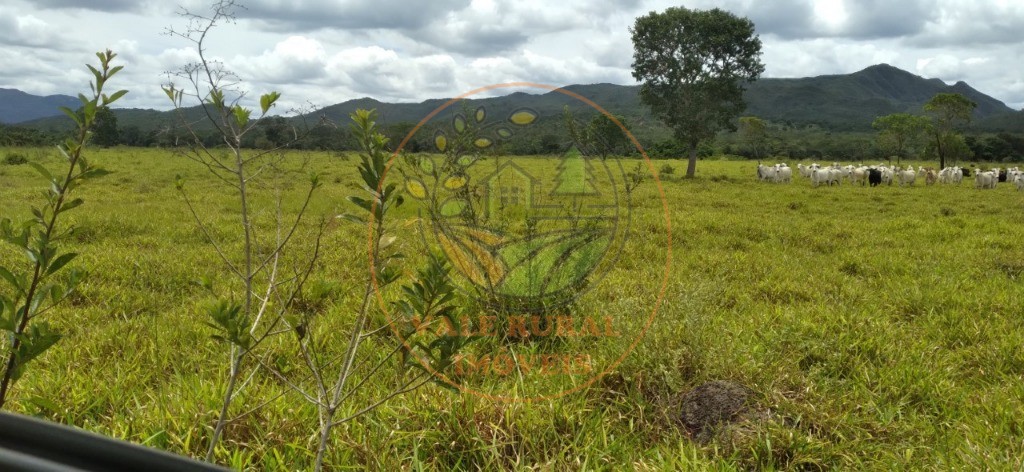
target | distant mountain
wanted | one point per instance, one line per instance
(845, 102)
(852, 101)
(17, 106)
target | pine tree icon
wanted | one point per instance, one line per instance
(575, 175)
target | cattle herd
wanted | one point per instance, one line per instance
(882, 174)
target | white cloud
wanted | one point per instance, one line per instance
(328, 52)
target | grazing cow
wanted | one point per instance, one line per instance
(1002, 175)
(825, 175)
(888, 173)
(1011, 175)
(765, 173)
(874, 176)
(1018, 180)
(906, 176)
(859, 175)
(965, 171)
(985, 180)
(950, 175)
(783, 173)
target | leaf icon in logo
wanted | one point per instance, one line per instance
(453, 207)
(522, 117)
(482, 143)
(440, 141)
(416, 189)
(469, 250)
(455, 183)
(459, 123)
(504, 133)
(480, 115)
(427, 164)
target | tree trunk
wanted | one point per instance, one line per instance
(691, 166)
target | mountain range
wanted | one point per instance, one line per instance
(844, 102)
(17, 106)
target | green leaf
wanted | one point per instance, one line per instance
(11, 279)
(72, 115)
(72, 205)
(352, 218)
(42, 171)
(241, 116)
(361, 202)
(267, 101)
(7, 323)
(114, 97)
(60, 262)
(217, 99)
(95, 73)
(34, 342)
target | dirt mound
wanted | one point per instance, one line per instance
(712, 404)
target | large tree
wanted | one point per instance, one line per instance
(754, 134)
(104, 128)
(948, 110)
(693, 65)
(899, 131)
(608, 135)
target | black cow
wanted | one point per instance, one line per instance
(965, 171)
(1002, 175)
(874, 177)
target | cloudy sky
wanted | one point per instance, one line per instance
(328, 51)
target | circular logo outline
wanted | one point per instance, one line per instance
(668, 257)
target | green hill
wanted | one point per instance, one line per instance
(17, 106)
(846, 102)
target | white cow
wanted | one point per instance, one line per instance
(983, 180)
(906, 176)
(888, 174)
(783, 173)
(859, 175)
(826, 175)
(766, 173)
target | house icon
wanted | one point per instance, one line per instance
(508, 187)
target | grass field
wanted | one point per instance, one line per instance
(880, 328)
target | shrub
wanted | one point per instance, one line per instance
(15, 159)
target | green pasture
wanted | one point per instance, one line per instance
(880, 328)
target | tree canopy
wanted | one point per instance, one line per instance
(693, 65)
(948, 110)
(899, 131)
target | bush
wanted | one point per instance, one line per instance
(666, 170)
(14, 159)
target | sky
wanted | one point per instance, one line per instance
(318, 53)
